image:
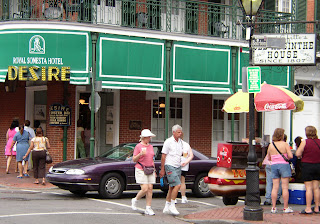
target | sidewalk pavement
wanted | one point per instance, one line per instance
(10, 180)
(226, 214)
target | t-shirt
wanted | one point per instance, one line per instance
(173, 150)
(147, 159)
(185, 154)
(31, 132)
(39, 143)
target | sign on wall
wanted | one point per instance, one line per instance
(59, 115)
(46, 55)
(299, 49)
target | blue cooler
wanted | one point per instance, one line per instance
(297, 194)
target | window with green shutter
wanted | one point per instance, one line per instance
(270, 5)
(301, 9)
(317, 6)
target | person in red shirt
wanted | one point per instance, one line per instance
(309, 150)
(143, 157)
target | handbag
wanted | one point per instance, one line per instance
(293, 169)
(14, 148)
(147, 169)
(48, 158)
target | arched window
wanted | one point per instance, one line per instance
(303, 90)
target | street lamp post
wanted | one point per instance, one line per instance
(252, 209)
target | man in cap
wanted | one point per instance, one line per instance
(171, 166)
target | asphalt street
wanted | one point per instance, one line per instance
(60, 206)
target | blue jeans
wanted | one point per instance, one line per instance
(270, 185)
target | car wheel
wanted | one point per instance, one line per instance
(111, 186)
(78, 192)
(230, 200)
(200, 188)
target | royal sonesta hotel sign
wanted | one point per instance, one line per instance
(46, 55)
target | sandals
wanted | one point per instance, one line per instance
(314, 211)
(43, 183)
(20, 177)
(36, 182)
(306, 213)
(26, 175)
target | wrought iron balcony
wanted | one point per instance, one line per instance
(176, 16)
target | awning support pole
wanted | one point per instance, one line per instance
(291, 113)
(167, 103)
(65, 128)
(94, 42)
(234, 58)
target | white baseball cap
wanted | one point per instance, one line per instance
(146, 133)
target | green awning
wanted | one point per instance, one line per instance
(46, 52)
(131, 63)
(274, 75)
(201, 68)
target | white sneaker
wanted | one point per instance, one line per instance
(287, 210)
(173, 210)
(274, 210)
(149, 211)
(134, 204)
(166, 210)
(175, 201)
(184, 200)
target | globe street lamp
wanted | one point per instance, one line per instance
(252, 209)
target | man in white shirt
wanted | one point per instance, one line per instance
(31, 136)
(28, 129)
(171, 166)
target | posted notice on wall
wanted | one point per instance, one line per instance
(59, 115)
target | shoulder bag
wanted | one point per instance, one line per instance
(316, 143)
(148, 170)
(293, 170)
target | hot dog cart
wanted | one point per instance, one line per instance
(228, 178)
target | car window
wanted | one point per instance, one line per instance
(120, 152)
(158, 154)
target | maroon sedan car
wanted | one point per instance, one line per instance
(113, 172)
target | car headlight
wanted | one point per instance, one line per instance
(75, 172)
(50, 170)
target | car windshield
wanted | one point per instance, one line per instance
(121, 152)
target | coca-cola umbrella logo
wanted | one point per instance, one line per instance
(270, 98)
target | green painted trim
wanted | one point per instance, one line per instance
(3, 75)
(200, 89)
(132, 86)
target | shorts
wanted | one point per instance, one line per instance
(173, 175)
(280, 170)
(184, 173)
(310, 171)
(141, 178)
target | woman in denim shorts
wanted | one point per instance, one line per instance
(280, 169)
